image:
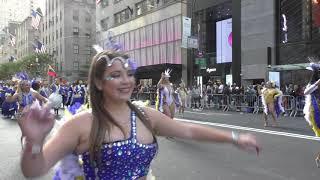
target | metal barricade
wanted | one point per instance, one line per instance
(151, 96)
(247, 103)
(218, 101)
(299, 105)
(288, 103)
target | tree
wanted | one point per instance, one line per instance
(29, 64)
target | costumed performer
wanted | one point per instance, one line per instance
(311, 109)
(271, 100)
(116, 139)
(165, 100)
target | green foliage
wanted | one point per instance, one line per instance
(28, 64)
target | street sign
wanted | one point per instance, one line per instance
(193, 42)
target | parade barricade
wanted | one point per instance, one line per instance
(246, 103)
(289, 104)
(219, 101)
(299, 105)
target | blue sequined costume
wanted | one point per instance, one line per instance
(126, 159)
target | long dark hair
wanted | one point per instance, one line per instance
(102, 120)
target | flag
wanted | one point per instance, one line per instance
(12, 39)
(39, 47)
(98, 1)
(36, 17)
(51, 72)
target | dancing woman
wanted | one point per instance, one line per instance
(312, 108)
(182, 92)
(271, 100)
(24, 95)
(116, 139)
(165, 100)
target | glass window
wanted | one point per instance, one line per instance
(116, 1)
(75, 31)
(104, 23)
(75, 15)
(76, 65)
(104, 3)
(76, 49)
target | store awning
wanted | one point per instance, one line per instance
(289, 67)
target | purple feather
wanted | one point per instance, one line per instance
(132, 64)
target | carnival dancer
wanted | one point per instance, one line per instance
(165, 99)
(24, 95)
(271, 100)
(44, 90)
(116, 139)
(55, 95)
(9, 109)
(312, 106)
(78, 94)
(182, 92)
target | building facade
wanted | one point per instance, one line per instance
(25, 38)
(9, 50)
(68, 30)
(149, 31)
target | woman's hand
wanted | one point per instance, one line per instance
(36, 122)
(248, 142)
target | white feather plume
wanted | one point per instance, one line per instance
(167, 72)
(98, 48)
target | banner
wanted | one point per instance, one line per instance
(186, 31)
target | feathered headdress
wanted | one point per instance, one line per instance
(112, 45)
(21, 76)
(167, 73)
(314, 64)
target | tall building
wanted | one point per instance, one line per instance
(9, 49)
(25, 38)
(150, 31)
(68, 31)
(16, 10)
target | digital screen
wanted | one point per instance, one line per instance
(224, 41)
(275, 76)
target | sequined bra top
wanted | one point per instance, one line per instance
(125, 159)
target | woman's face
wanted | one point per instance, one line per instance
(25, 86)
(118, 82)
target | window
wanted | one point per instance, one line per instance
(76, 65)
(122, 16)
(88, 35)
(104, 23)
(60, 15)
(57, 34)
(76, 49)
(75, 15)
(60, 32)
(75, 31)
(104, 3)
(145, 6)
(88, 18)
(116, 1)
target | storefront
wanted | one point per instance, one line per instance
(214, 28)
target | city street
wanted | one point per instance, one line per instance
(287, 152)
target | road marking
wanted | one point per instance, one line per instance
(279, 133)
(208, 114)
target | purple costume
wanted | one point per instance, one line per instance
(124, 159)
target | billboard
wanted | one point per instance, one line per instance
(224, 41)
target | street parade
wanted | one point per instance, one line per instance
(160, 89)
